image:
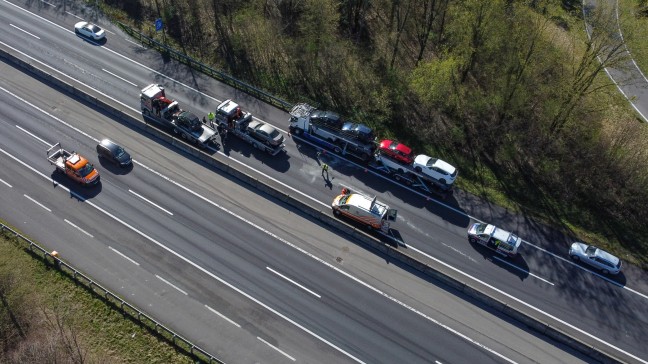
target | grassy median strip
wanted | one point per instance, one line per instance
(46, 317)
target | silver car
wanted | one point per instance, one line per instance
(265, 133)
(597, 258)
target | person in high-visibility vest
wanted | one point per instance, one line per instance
(325, 169)
(211, 117)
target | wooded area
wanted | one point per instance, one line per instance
(510, 91)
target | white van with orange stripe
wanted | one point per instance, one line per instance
(363, 209)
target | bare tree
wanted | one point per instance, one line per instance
(400, 15)
(604, 48)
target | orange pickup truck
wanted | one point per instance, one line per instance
(73, 165)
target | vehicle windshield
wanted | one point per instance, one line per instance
(431, 162)
(274, 134)
(85, 170)
(94, 28)
(344, 199)
(590, 250)
(480, 228)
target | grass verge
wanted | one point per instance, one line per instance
(50, 297)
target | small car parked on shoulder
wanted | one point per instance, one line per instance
(89, 30)
(597, 258)
(113, 153)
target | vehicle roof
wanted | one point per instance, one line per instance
(109, 144)
(227, 106)
(504, 235)
(75, 161)
(422, 159)
(367, 203)
(390, 144)
(360, 128)
(445, 166)
(189, 115)
(151, 91)
(269, 129)
(601, 253)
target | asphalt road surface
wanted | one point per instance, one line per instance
(610, 312)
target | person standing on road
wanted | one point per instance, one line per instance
(325, 170)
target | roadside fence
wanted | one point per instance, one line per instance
(223, 77)
(126, 308)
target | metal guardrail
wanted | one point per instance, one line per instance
(126, 308)
(221, 76)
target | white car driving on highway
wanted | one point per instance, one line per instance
(89, 30)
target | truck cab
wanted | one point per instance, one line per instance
(229, 113)
(79, 169)
(75, 166)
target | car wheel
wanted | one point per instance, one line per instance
(472, 240)
(418, 169)
(442, 181)
(605, 271)
(337, 150)
(575, 257)
(298, 131)
(336, 212)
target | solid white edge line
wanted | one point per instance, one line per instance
(78, 17)
(172, 285)
(78, 228)
(277, 349)
(6, 183)
(123, 255)
(46, 3)
(33, 135)
(137, 44)
(223, 317)
(38, 203)
(24, 31)
(530, 306)
(118, 77)
(521, 270)
(293, 282)
(149, 201)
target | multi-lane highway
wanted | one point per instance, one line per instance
(183, 243)
(609, 313)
